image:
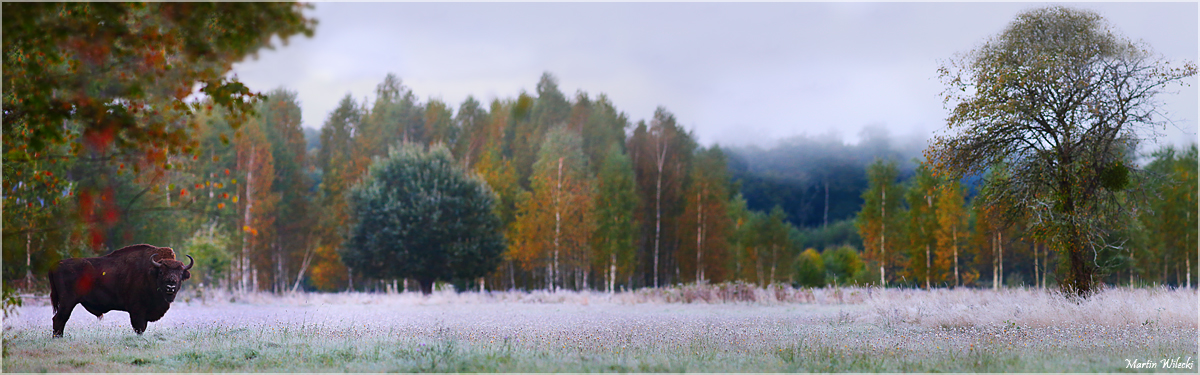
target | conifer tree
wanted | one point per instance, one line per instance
(419, 214)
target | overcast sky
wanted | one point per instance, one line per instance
(734, 73)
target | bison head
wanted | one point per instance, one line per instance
(170, 274)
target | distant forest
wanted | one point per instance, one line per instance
(816, 180)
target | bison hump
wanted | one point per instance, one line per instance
(145, 251)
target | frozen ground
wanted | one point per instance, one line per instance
(647, 331)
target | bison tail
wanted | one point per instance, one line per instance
(53, 292)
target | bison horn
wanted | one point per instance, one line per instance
(156, 263)
(190, 262)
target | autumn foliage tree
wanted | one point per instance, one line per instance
(922, 226)
(556, 222)
(705, 222)
(951, 231)
(879, 221)
(95, 123)
(661, 154)
(339, 165)
(1061, 98)
(1171, 217)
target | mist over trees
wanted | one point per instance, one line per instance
(818, 180)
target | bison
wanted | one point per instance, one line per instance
(139, 279)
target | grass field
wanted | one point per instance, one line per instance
(693, 329)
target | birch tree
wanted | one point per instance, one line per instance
(878, 222)
(556, 223)
(705, 219)
(922, 226)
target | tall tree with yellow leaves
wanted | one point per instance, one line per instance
(922, 226)
(878, 222)
(554, 226)
(256, 163)
(951, 230)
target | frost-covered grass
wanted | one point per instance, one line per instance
(686, 329)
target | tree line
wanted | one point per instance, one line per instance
(922, 232)
(98, 157)
(588, 199)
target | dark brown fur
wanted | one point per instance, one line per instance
(125, 280)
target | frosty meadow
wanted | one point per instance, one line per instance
(709, 328)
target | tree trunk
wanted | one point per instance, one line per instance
(658, 213)
(28, 251)
(995, 266)
(699, 236)
(927, 262)
(883, 236)
(246, 221)
(1035, 265)
(280, 273)
(1045, 264)
(1080, 279)
(1000, 245)
(512, 276)
(554, 275)
(957, 281)
(612, 272)
(303, 267)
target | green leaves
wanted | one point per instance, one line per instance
(1062, 101)
(1114, 177)
(810, 269)
(418, 214)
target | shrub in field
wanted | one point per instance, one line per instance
(842, 265)
(418, 214)
(810, 269)
(211, 250)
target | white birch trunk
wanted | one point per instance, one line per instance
(246, 221)
(662, 158)
(612, 273)
(557, 227)
(957, 281)
(699, 238)
(995, 266)
(882, 235)
(303, 267)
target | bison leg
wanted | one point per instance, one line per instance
(61, 316)
(138, 321)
